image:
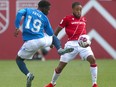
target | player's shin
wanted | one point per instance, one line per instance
(93, 69)
(55, 77)
(56, 42)
(21, 65)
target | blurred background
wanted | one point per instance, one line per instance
(101, 25)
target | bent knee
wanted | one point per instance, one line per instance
(19, 58)
(91, 59)
(58, 70)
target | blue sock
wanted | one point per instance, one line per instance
(56, 42)
(21, 65)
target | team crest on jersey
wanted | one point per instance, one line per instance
(4, 15)
(83, 19)
(73, 19)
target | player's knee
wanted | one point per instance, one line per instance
(19, 59)
(58, 70)
(91, 59)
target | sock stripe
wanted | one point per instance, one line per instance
(93, 65)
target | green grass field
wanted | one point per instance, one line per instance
(76, 74)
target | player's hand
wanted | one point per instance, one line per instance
(52, 46)
(16, 32)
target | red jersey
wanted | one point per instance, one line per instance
(74, 27)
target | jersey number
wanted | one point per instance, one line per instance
(36, 24)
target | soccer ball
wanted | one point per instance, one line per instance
(84, 41)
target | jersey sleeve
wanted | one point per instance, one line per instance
(48, 29)
(63, 22)
(19, 15)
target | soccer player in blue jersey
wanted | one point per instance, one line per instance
(34, 25)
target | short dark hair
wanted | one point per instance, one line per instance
(43, 4)
(75, 3)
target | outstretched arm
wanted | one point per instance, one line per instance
(58, 29)
(62, 25)
(19, 15)
(56, 41)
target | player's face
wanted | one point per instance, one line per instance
(77, 11)
(46, 10)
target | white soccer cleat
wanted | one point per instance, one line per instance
(65, 50)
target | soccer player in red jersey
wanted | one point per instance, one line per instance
(75, 25)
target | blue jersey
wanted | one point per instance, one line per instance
(34, 25)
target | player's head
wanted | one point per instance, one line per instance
(44, 6)
(77, 9)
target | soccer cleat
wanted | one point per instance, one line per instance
(50, 85)
(29, 80)
(65, 50)
(95, 85)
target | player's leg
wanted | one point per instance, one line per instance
(88, 55)
(26, 52)
(58, 71)
(63, 62)
(56, 42)
(39, 55)
(93, 69)
(21, 65)
(53, 40)
(56, 74)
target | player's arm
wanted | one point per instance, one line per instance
(19, 15)
(58, 29)
(16, 32)
(62, 24)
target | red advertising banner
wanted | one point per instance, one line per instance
(101, 25)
